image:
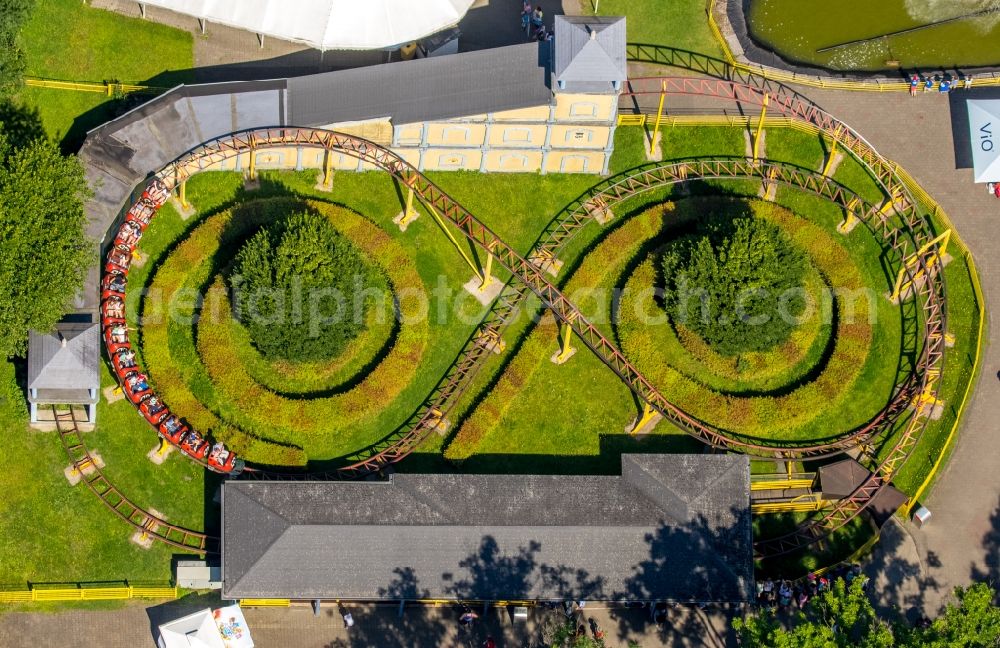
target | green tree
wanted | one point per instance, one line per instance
(44, 252)
(13, 15)
(299, 288)
(738, 284)
(841, 617)
(973, 621)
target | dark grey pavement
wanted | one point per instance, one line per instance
(375, 627)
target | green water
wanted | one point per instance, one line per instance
(795, 29)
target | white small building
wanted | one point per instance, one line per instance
(64, 368)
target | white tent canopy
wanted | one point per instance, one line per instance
(223, 628)
(984, 129)
(196, 630)
(329, 24)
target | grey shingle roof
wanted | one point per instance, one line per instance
(589, 53)
(671, 527)
(433, 88)
(65, 359)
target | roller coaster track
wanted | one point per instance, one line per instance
(530, 275)
(143, 520)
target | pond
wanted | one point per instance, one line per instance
(870, 35)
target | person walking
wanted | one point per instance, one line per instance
(929, 84)
(914, 83)
(537, 20)
(526, 18)
(967, 84)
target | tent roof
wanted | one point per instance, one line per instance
(197, 630)
(329, 24)
(984, 129)
(66, 358)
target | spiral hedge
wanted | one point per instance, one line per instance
(204, 369)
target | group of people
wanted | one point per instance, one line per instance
(947, 84)
(785, 593)
(533, 22)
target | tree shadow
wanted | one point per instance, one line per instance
(990, 572)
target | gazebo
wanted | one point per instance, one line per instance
(63, 368)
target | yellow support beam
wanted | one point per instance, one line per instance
(454, 241)
(487, 273)
(328, 171)
(565, 347)
(182, 195)
(940, 245)
(659, 116)
(830, 157)
(648, 414)
(265, 602)
(760, 127)
(409, 213)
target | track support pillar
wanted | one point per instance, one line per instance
(935, 255)
(326, 181)
(850, 219)
(645, 422)
(409, 214)
(654, 152)
(760, 128)
(160, 453)
(566, 349)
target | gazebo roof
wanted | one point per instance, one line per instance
(68, 358)
(590, 53)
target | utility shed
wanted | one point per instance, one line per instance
(670, 527)
(63, 367)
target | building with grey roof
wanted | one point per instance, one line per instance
(64, 367)
(669, 527)
(590, 54)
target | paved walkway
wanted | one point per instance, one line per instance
(962, 541)
(375, 626)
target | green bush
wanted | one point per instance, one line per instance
(299, 281)
(728, 280)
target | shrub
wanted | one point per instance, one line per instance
(726, 283)
(299, 282)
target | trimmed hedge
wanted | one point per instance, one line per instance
(253, 406)
(836, 396)
(174, 367)
(293, 378)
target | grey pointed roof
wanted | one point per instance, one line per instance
(670, 527)
(67, 358)
(589, 54)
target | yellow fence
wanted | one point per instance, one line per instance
(800, 504)
(265, 602)
(782, 76)
(106, 88)
(87, 592)
(781, 482)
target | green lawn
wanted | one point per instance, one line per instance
(69, 40)
(678, 23)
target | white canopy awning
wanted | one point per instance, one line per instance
(196, 630)
(329, 24)
(223, 628)
(984, 129)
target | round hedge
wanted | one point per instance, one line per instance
(726, 282)
(833, 398)
(299, 280)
